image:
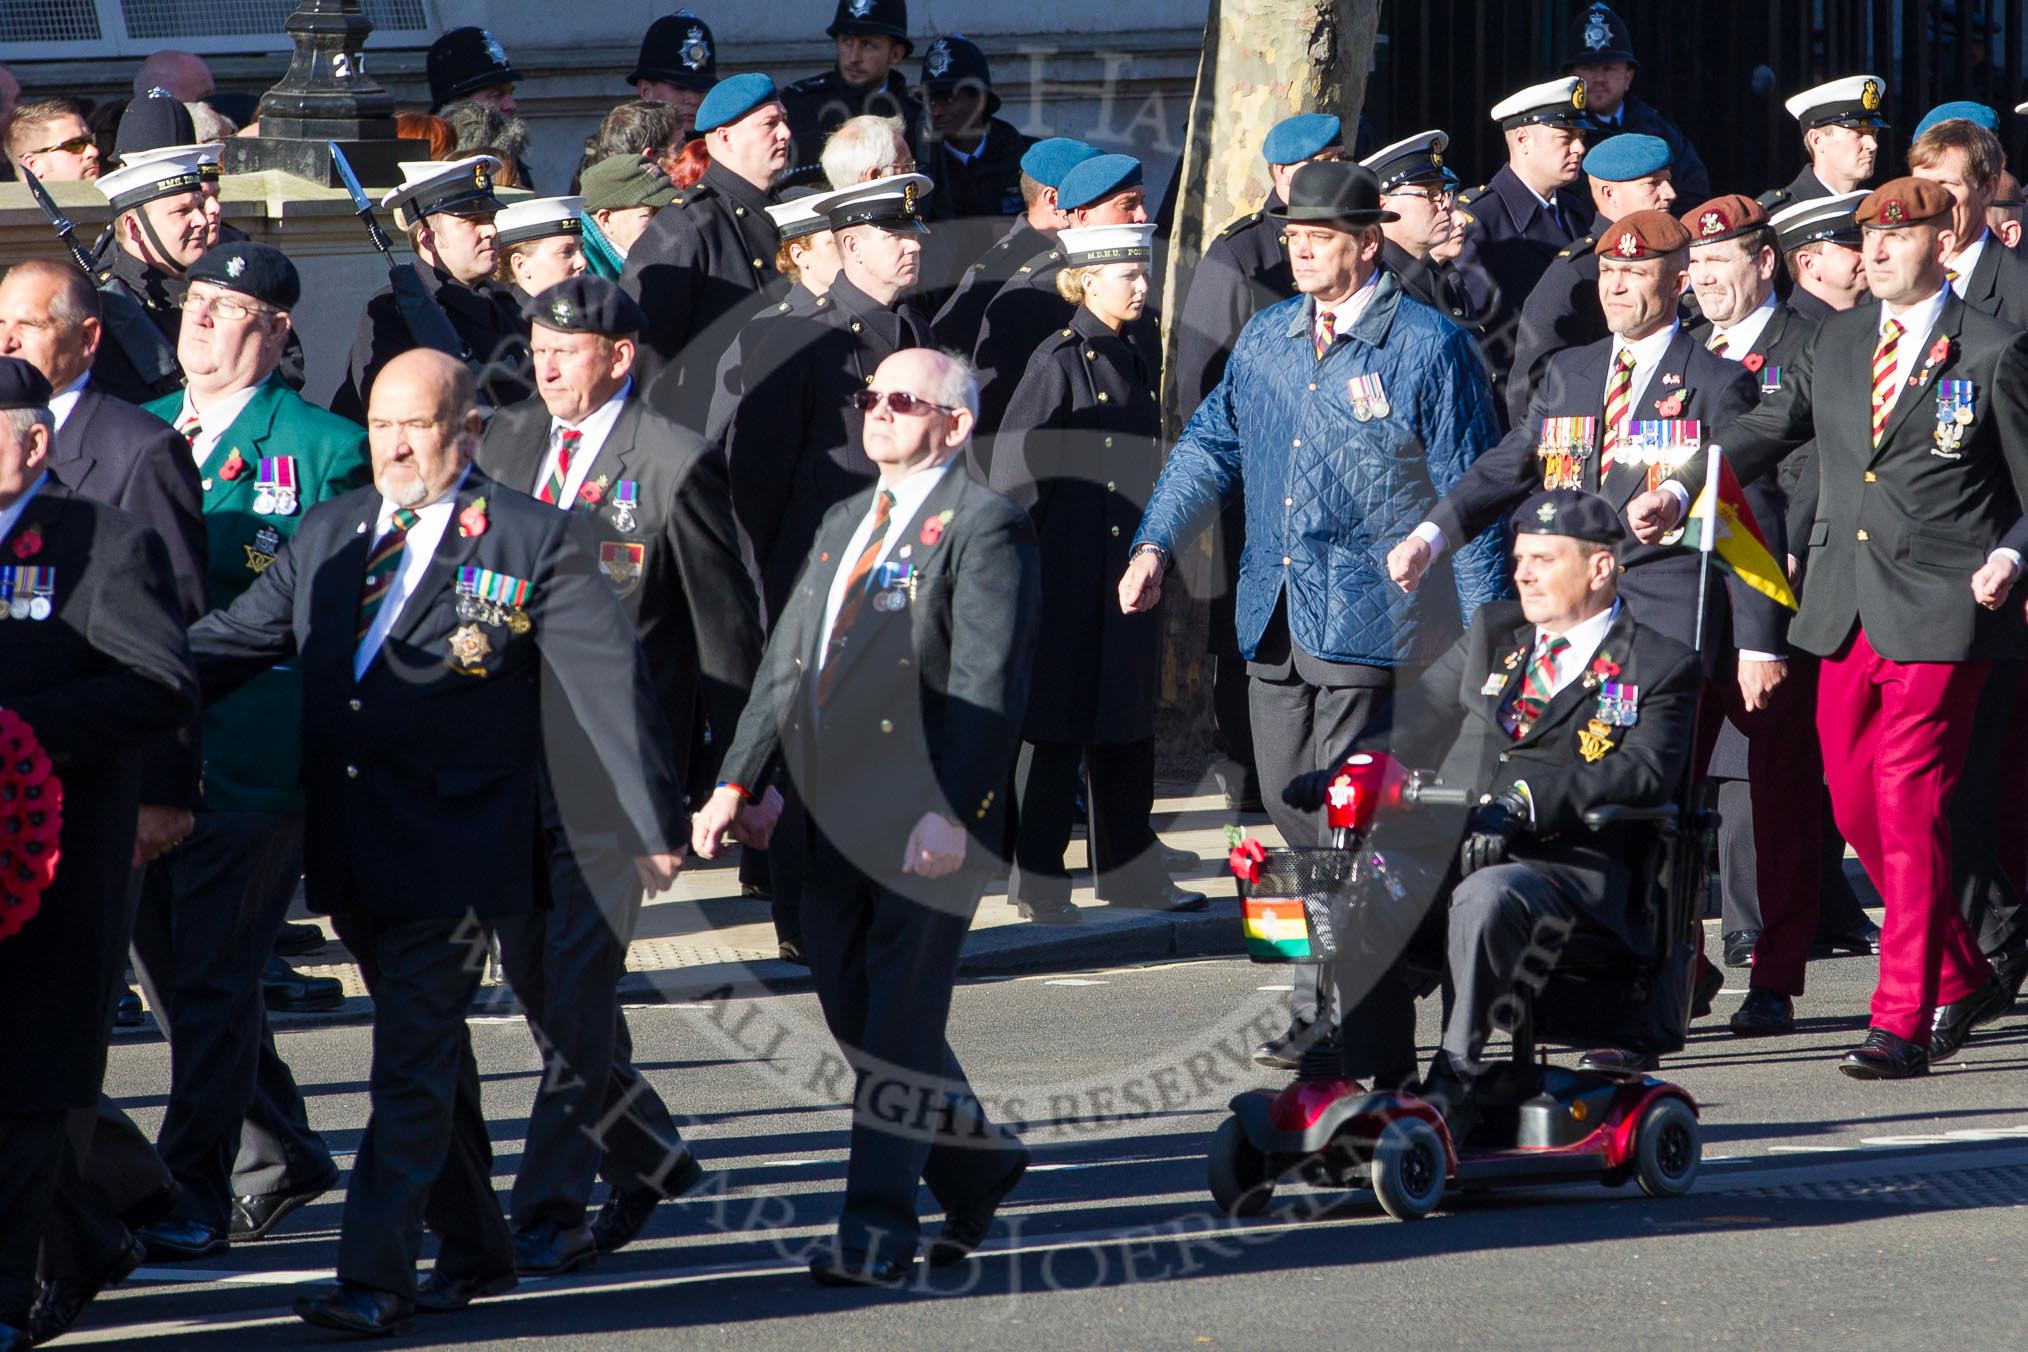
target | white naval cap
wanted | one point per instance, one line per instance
(800, 213)
(1418, 158)
(1560, 102)
(888, 202)
(457, 187)
(1818, 218)
(538, 218)
(1087, 245)
(164, 176)
(1853, 100)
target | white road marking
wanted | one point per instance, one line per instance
(1074, 981)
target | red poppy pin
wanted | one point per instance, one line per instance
(932, 531)
(593, 490)
(234, 466)
(1753, 361)
(1672, 407)
(1940, 349)
(472, 521)
(1603, 665)
(29, 543)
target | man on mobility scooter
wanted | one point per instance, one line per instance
(1549, 709)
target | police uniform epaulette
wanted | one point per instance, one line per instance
(1577, 246)
(692, 195)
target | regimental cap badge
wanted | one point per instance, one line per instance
(1436, 160)
(696, 49)
(859, 9)
(1869, 95)
(1892, 212)
(480, 178)
(559, 311)
(234, 266)
(1577, 96)
(1596, 32)
(494, 51)
(158, 92)
(938, 60)
(1546, 513)
(1629, 245)
(1713, 223)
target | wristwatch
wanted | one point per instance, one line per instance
(1150, 547)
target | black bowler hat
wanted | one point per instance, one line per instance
(1337, 191)
(586, 304)
(679, 50)
(464, 61)
(1596, 37)
(879, 18)
(21, 385)
(259, 271)
(1572, 512)
(954, 61)
(154, 122)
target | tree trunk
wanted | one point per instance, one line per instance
(1264, 60)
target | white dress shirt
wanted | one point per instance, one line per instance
(1967, 259)
(1584, 636)
(13, 514)
(223, 412)
(64, 402)
(909, 496)
(596, 427)
(421, 546)
(1345, 313)
(1740, 338)
(1913, 345)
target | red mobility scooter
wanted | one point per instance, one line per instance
(1538, 1122)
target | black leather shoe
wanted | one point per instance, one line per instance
(1049, 912)
(59, 1303)
(1739, 947)
(1175, 899)
(547, 1249)
(1710, 981)
(172, 1240)
(1618, 1061)
(288, 991)
(2011, 967)
(1883, 1056)
(965, 1227)
(1286, 1051)
(294, 939)
(440, 1294)
(832, 1268)
(128, 1013)
(625, 1214)
(349, 1307)
(1862, 939)
(756, 892)
(792, 951)
(255, 1215)
(1764, 1014)
(1955, 1021)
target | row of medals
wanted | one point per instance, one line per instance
(478, 608)
(36, 607)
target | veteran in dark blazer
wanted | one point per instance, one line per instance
(1966, 160)
(98, 669)
(654, 500)
(235, 1135)
(1080, 448)
(1919, 410)
(444, 624)
(1548, 707)
(892, 693)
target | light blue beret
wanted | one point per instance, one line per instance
(1294, 139)
(732, 99)
(1628, 157)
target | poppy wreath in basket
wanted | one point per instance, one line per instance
(31, 819)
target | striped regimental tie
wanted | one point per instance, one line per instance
(1883, 376)
(855, 592)
(559, 472)
(381, 566)
(1619, 401)
(1536, 686)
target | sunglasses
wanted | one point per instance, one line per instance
(76, 145)
(899, 403)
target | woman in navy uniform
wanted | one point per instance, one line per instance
(1079, 449)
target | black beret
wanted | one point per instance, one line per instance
(260, 271)
(586, 304)
(1572, 512)
(21, 385)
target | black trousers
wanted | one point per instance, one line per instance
(209, 913)
(787, 859)
(425, 1156)
(885, 965)
(1120, 793)
(1991, 903)
(31, 1152)
(1507, 926)
(1299, 726)
(593, 1114)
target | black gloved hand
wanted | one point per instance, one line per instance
(1490, 828)
(1306, 792)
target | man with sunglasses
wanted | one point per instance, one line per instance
(892, 692)
(235, 1134)
(49, 138)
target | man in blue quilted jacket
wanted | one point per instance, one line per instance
(1344, 414)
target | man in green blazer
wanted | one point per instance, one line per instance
(211, 907)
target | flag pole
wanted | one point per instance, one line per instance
(1707, 538)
